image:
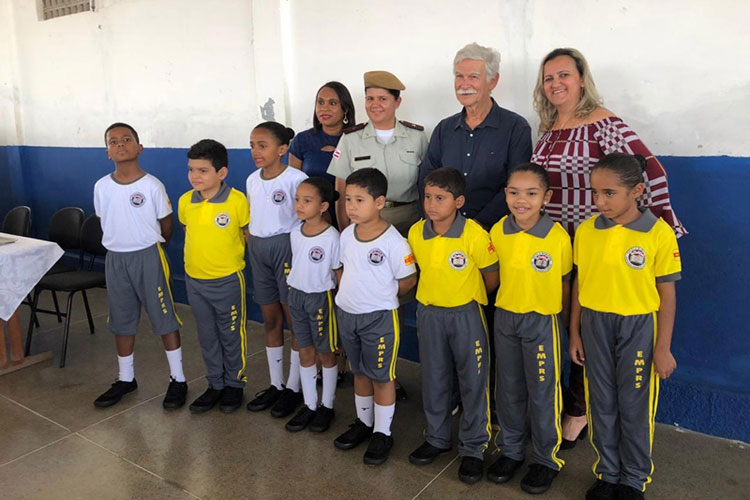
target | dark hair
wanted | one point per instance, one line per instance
(345, 100)
(629, 168)
(533, 168)
(120, 124)
(283, 134)
(324, 188)
(393, 92)
(370, 179)
(449, 179)
(211, 150)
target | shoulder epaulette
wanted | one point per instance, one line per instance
(411, 125)
(354, 128)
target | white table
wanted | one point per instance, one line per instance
(22, 264)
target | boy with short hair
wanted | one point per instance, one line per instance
(458, 266)
(216, 217)
(136, 219)
(378, 267)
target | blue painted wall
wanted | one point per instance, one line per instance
(709, 392)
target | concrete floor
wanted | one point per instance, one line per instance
(55, 444)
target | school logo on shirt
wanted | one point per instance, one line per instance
(137, 199)
(222, 220)
(636, 258)
(278, 197)
(316, 255)
(541, 261)
(458, 261)
(376, 257)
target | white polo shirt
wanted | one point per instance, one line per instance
(130, 213)
(314, 258)
(372, 270)
(272, 202)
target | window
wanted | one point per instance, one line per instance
(49, 9)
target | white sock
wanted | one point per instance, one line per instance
(127, 372)
(175, 364)
(329, 385)
(309, 376)
(275, 357)
(383, 418)
(364, 409)
(292, 383)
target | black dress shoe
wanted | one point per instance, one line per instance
(114, 394)
(624, 492)
(287, 403)
(264, 399)
(206, 401)
(569, 445)
(231, 399)
(503, 469)
(378, 450)
(176, 394)
(602, 490)
(357, 433)
(300, 420)
(538, 479)
(322, 419)
(471, 470)
(426, 454)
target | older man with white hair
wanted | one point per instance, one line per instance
(483, 141)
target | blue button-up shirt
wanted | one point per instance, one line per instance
(483, 155)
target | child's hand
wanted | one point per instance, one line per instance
(664, 363)
(576, 349)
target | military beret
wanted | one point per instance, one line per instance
(383, 79)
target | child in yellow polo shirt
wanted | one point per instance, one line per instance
(622, 317)
(216, 217)
(457, 265)
(536, 262)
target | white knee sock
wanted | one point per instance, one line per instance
(175, 364)
(292, 383)
(383, 418)
(127, 372)
(329, 385)
(364, 409)
(309, 376)
(275, 357)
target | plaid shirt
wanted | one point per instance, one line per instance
(568, 156)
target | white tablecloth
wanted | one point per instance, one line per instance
(22, 265)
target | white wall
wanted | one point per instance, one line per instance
(8, 92)
(180, 70)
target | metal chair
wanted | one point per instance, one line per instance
(90, 240)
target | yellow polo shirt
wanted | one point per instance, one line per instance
(619, 266)
(214, 240)
(451, 264)
(533, 265)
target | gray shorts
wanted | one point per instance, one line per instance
(135, 279)
(314, 319)
(270, 261)
(371, 343)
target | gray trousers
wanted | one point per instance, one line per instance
(528, 358)
(221, 318)
(455, 338)
(622, 391)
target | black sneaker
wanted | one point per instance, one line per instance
(628, 493)
(300, 420)
(176, 394)
(357, 433)
(115, 393)
(602, 490)
(538, 479)
(471, 470)
(426, 453)
(231, 399)
(322, 419)
(287, 403)
(503, 469)
(206, 401)
(379, 449)
(264, 399)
